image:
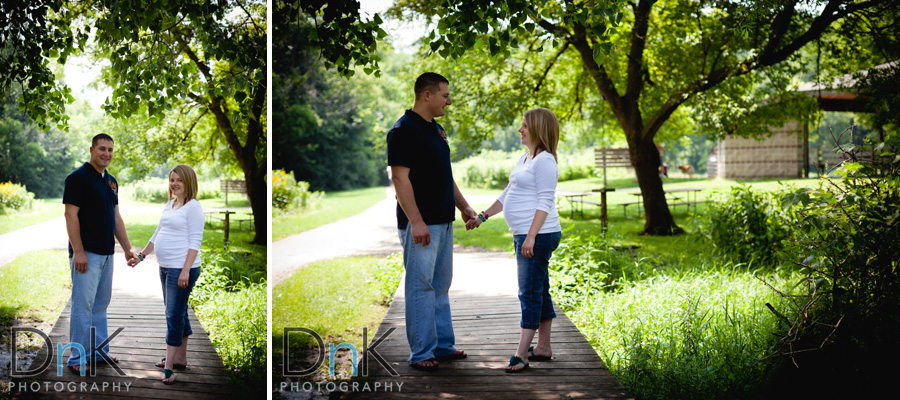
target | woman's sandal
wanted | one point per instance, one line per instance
(162, 364)
(168, 374)
(535, 357)
(513, 361)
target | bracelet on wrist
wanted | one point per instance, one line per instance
(483, 216)
(141, 256)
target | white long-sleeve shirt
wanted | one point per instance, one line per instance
(532, 187)
(178, 231)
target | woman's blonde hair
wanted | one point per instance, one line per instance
(189, 178)
(544, 129)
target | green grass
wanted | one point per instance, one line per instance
(140, 228)
(334, 207)
(42, 210)
(34, 286)
(697, 335)
(336, 298)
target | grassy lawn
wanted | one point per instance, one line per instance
(35, 286)
(336, 298)
(43, 210)
(333, 207)
(494, 234)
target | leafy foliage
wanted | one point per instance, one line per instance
(32, 33)
(325, 135)
(290, 195)
(847, 244)
(230, 299)
(342, 37)
(748, 226)
(14, 197)
(163, 55)
(38, 159)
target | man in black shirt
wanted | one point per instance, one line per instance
(419, 157)
(91, 197)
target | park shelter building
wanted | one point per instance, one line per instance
(786, 153)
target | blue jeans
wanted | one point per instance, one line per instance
(429, 270)
(178, 325)
(91, 292)
(534, 280)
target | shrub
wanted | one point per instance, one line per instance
(289, 195)
(748, 226)
(154, 190)
(847, 245)
(14, 197)
(490, 169)
(583, 266)
(387, 277)
(696, 336)
(236, 323)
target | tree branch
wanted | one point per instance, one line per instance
(636, 53)
(550, 65)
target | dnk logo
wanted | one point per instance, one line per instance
(368, 350)
(60, 348)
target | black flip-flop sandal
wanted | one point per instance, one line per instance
(513, 361)
(168, 373)
(535, 357)
(425, 367)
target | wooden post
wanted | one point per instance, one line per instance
(805, 173)
(603, 208)
(227, 213)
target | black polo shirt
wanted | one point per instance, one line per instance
(96, 197)
(422, 147)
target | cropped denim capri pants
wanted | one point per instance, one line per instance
(178, 325)
(534, 279)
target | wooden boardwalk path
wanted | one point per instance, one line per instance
(486, 323)
(137, 306)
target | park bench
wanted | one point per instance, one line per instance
(233, 187)
(603, 158)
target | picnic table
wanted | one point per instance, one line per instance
(212, 215)
(576, 200)
(687, 199)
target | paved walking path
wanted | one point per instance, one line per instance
(372, 232)
(51, 235)
(136, 306)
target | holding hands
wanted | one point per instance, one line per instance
(134, 256)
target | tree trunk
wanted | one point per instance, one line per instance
(256, 192)
(646, 161)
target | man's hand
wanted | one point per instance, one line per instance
(131, 253)
(468, 213)
(420, 233)
(80, 261)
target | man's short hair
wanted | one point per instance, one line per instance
(429, 81)
(99, 137)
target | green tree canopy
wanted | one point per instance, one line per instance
(640, 62)
(205, 59)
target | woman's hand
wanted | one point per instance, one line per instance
(473, 223)
(528, 247)
(134, 261)
(184, 278)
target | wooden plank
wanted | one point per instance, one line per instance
(138, 347)
(487, 328)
